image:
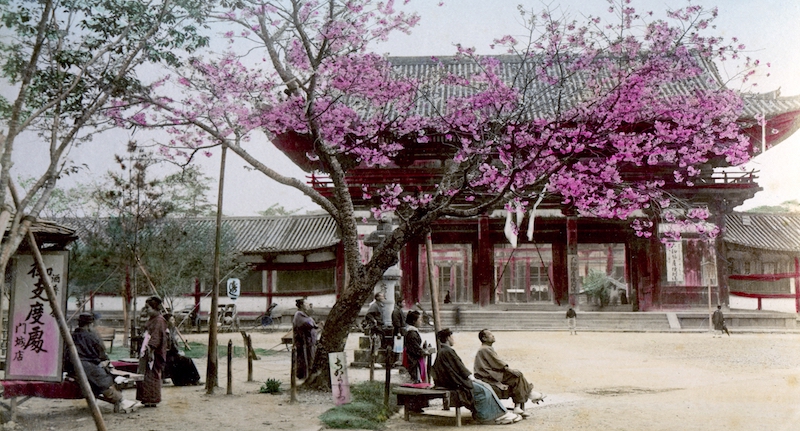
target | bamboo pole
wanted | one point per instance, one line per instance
(64, 329)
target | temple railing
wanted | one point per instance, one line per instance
(426, 177)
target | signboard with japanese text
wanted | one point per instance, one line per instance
(35, 347)
(709, 267)
(674, 261)
(340, 386)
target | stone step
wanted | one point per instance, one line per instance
(519, 317)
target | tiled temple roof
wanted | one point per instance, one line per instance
(255, 235)
(776, 232)
(543, 97)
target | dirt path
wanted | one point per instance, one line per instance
(594, 381)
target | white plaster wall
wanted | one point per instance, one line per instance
(248, 304)
(784, 305)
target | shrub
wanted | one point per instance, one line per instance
(271, 386)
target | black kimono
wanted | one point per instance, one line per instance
(449, 371)
(91, 352)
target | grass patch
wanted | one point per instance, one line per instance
(199, 350)
(366, 411)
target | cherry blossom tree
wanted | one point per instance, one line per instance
(578, 112)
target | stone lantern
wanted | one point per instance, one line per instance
(391, 277)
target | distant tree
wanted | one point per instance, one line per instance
(792, 206)
(188, 191)
(277, 210)
(63, 203)
(143, 226)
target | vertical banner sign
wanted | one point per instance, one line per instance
(674, 261)
(573, 278)
(35, 348)
(234, 286)
(710, 268)
(337, 361)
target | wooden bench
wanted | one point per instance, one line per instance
(414, 399)
(288, 340)
(106, 334)
(68, 389)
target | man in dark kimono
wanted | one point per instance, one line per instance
(506, 382)
(304, 335)
(450, 372)
(376, 311)
(718, 319)
(95, 364)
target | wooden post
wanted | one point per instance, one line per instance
(372, 352)
(389, 353)
(212, 365)
(434, 285)
(230, 368)
(248, 350)
(64, 329)
(293, 378)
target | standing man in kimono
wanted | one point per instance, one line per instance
(304, 335)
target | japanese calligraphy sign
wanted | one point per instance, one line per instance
(234, 285)
(674, 251)
(709, 267)
(337, 361)
(35, 348)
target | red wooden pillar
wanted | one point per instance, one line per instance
(409, 264)
(635, 270)
(559, 276)
(268, 275)
(572, 260)
(197, 294)
(797, 285)
(484, 267)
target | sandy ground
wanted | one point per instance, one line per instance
(594, 381)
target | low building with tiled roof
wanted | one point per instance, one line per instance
(763, 252)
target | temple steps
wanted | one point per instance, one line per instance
(551, 317)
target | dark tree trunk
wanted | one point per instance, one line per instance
(342, 317)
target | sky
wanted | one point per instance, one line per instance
(769, 28)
